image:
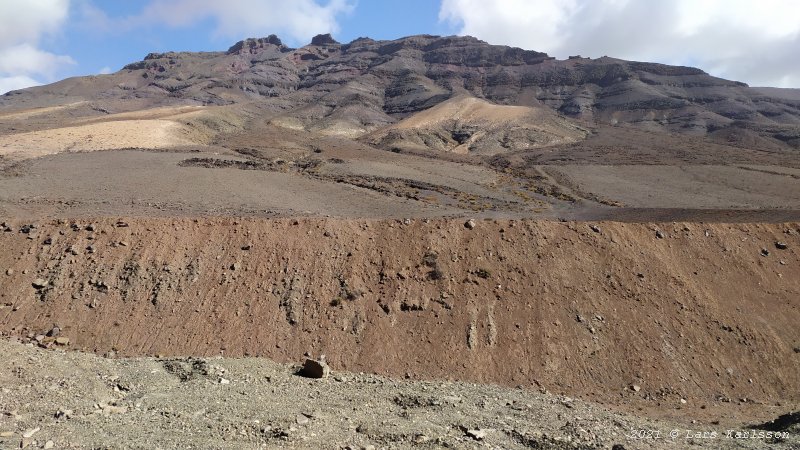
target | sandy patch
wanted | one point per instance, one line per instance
(149, 134)
(28, 113)
(467, 124)
(465, 109)
(170, 112)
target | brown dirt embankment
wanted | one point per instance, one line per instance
(699, 315)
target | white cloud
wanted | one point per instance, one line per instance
(105, 70)
(28, 20)
(22, 26)
(17, 82)
(297, 20)
(25, 59)
(752, 41)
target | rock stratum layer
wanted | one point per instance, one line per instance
(701, 312)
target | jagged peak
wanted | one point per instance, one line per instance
(160, 55)
(254, 44)
(324, 39)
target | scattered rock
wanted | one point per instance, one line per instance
(54, 332)
(9, 272)
(315, 368)
(123, 244)
(121, 224)
(470, 224)
(49, 444)
(31, 432)
(594, 228)
(659, 234)
(63, 414)
(39, 283)
(781, 245)
(113, 409)
(61, 340)
(236, 266)
(478, 435)
(5, 434)
(301, 419)
(421, 439)
(636, 388)
(26, 229)
(764, 252)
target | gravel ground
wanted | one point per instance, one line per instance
(57, 399)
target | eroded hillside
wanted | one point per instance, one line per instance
(352, 89)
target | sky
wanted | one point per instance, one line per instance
(755, 41)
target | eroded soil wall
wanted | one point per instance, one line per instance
(700, 314)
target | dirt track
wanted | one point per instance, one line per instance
(699, 315)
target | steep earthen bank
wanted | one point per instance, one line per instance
(706, 313)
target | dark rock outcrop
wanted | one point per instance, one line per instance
(323, 39)
(253, 45)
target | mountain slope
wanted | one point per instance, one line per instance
(353, 89)
(466, 124)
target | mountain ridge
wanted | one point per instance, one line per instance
(355, 88)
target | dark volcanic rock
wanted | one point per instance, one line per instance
(313, 368)
(323, 39)
(253, 45)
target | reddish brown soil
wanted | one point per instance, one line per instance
(699, 315)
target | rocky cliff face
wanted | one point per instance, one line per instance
(354, 88)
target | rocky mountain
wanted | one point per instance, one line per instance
(355, 89)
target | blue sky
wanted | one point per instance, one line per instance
(755, 41)
(97, 49)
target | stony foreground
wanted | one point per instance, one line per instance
(57, 399)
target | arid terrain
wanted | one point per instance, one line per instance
(71, 399)
(492, 247)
